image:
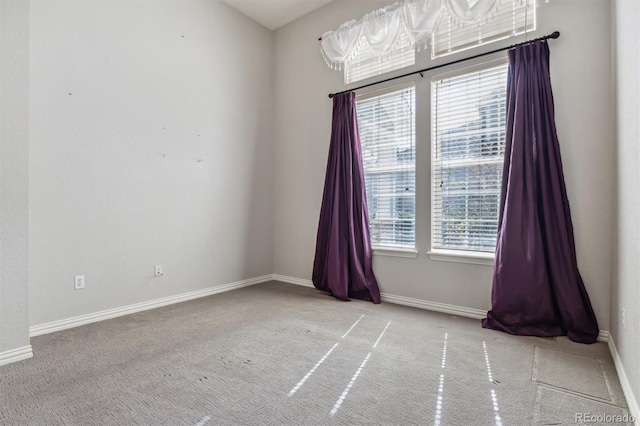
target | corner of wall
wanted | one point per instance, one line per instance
(14, 180)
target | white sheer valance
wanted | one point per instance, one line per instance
(382, 29)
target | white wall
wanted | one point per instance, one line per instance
(625, 285)
(151, 142)
(14, 175)
(120, 91)
(580, 63)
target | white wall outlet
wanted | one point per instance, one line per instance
(78, 282)
(624, 319)
(159, 271)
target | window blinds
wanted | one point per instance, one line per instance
(511, 17)
(468, 131)
(387, 135)
(365, 64)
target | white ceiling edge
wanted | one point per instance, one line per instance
(274, 14)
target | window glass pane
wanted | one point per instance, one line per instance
(366, 65)
(511, 17)
(387, 135)
(468, 132)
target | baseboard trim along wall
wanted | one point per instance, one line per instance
(434, 306)
(292, 280)
(65, 324)
(15, 355)
(632, 401)
(418, 303)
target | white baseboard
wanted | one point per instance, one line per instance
(15, 355)
(401, 300)
(291, 280)
(603, 336)
(462, 311)
(434, 306)
(632, 401)
(67, 323)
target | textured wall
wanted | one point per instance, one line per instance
(625, 285)
(151, 141)
(581, 70)
(14, 174)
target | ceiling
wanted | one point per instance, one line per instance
(274, 14)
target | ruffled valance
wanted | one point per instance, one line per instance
(383, 29)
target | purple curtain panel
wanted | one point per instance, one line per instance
(342, 265)
(537, 288)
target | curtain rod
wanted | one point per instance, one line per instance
(553, 35)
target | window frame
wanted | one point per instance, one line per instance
(443, 254)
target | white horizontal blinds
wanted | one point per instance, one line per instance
(511, 17)
(365, 64)
(468, 132)
(387, 134)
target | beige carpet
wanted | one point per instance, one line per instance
(277, 354)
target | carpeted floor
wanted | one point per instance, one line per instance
(276, 354)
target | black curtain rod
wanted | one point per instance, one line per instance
(553, 35)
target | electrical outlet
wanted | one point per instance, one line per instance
(78, 282)
(624, 319)
(159, 271)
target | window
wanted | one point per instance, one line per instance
(468, 131)
(387, 134)
(365, 64)
(511, 17)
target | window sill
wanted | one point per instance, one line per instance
(407, 253)
(476, 258)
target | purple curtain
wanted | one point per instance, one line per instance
(342, 264)
(537, 288)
